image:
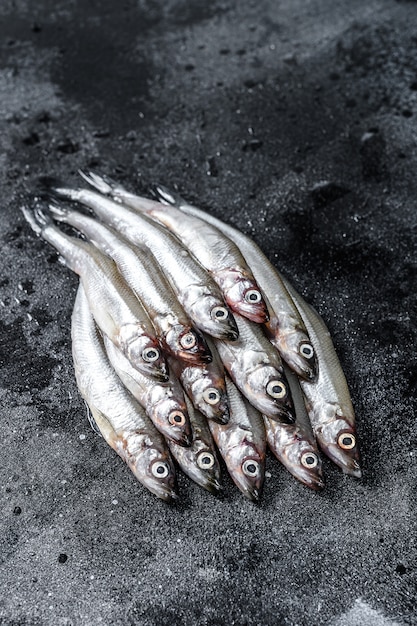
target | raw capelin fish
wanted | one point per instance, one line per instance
(242, 444)
(143, 275)
(197, 292)
(255, 367)
(205, 385)
(117, 311)
(119, 418)
(328, 400)
(164, 403)
(216, 252)
(199, 461)
(285, 329)
(294, 445)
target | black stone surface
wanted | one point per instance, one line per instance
(295, 121)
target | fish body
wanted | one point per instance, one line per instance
(120, 419)
(242, 443)
(328, 399)
(199, 461)
(216, 252)
(294, 445)
(255, 367)
(164, 403)
(143, 275)
(285, 328)
(197, 292)
(116, 309)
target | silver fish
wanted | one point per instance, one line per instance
(285, 328)
(255, 367)
(143, 275)
(205, 385)
(216, 252)
(242, 444)
(116, 309)
(199, 461)
(328, 400)
(197, 292)
(164, 403)
(294, 445)
(120, 419)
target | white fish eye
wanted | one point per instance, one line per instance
(346, 441)
(160, 469)
(276, 389)
(176, 418)
(188, 341)
(307, 350)
(219, 313)
(250, 468)
(211, 396)
(309, 459)
(150, 355)
(205, 460)
(253, 296)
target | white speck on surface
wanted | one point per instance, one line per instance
(82, 437)
(268, 474)
(362, 614)
(115, 501)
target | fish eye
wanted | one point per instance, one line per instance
(188, 341)
(219, 313)
(176, 418)
(309, 459)
(346, 441)
(307, 350)
(253, 296)
(211, 396)
(205, 460)
(150, 355)
(250, 468)
(276, 389)
(160, 469)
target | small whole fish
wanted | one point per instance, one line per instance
(285, 328)
(242, 444)
(294, 445)
(164, 403)
(216, 252)
(328, 400)
(116, 309)
(205, 385)
(199, 462)
(255, 367)
(141, 272)
(197, 292)
(119, 418)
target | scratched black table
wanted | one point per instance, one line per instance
(297, 123)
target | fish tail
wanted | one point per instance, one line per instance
(101, 184)
(37, 218)
(166, 196)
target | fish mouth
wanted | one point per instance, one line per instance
(348, 463)
(213, 485)
(282, 414)
(256, 313)
(252, 493)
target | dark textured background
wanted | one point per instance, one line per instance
(296, 121)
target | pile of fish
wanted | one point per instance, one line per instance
(187, 342)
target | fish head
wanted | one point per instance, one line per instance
(301, 457)
(151, 464)
(171, 418)
(210, 313)
(298, 352)
(187, 344)
(243, 295)
(210, 397)
(245, 465)
(200, 463)
(271, 392)
(337, 439)
(144, 352)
